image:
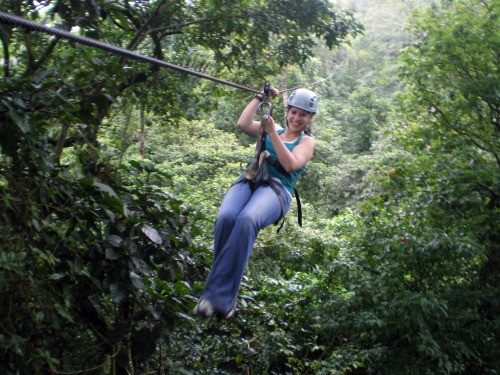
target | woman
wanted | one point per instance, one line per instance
(246, 208)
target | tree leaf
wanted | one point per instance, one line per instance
(137, 281)
(112, 254)
(115, 240)
(105, 188)
(141, 265)
(152, 234)
(20, 121)
(56, 276)
(117, 294)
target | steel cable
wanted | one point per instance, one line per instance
(14, 20)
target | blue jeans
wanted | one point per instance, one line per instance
(242, 214)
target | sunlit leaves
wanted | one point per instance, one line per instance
(102, 259)
(453, 70)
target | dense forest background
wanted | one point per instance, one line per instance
(111, 172)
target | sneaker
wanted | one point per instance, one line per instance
(227, 315)
(204, 308)
(231, 313)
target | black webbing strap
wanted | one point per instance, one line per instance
(265, 103)
(299, 206)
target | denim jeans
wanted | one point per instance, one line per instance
(241, 215)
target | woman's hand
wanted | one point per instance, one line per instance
(246, 120)
(268, 124)
(273, 91)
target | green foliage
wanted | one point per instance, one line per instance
(453, 70)
(101, 274)
(109, 185)
(414, 277)
(97, 258)
(269, 32)
(405, 283)
(421, 252)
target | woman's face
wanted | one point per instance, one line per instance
(297, 119)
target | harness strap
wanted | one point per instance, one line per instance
(276, 164)
(256, 173)
(273, 185)
(299, 206)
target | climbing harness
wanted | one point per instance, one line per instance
(14, 20)
(276, 164)
(257, 170)
(256, 173)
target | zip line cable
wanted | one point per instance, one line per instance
(14, 20)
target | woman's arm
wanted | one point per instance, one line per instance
(295, 159)
(246, 122)
(290, 160)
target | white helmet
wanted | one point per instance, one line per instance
(304, 99)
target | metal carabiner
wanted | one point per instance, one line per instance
(267, 89)
(265, 101)
(262, 105)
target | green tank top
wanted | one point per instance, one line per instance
(288, 182)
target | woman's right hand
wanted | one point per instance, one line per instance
(246, 122)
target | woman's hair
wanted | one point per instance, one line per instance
(307, 130)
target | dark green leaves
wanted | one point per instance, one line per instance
(152, 234)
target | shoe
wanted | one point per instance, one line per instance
(231, 313)
(227, 315)
(204, 308)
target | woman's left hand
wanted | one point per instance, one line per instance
(268, 125)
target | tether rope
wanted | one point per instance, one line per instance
(11, 19)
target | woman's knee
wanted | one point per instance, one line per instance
(250, 220)
(226, 217)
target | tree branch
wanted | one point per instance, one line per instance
(494, 116)
(29, 52)
(472, 137)
(6, 53)
(61, 140)
(129, 14)
(177, 29)
(45, 55)
(142, 32)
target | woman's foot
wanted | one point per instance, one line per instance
(231, 313)
(204, 308)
